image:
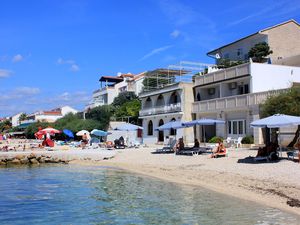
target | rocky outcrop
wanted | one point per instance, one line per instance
(29, 159)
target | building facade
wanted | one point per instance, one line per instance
(234, 95)
(283, 40)
(170, 103)
(112, 86)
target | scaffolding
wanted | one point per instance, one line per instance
(184, 71)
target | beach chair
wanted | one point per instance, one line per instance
(272, 156)
(167, 149)
(238, 142)
(228, 141)
(292, 154)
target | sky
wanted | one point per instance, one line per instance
(52, 53)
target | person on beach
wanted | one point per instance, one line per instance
(219, 151)
(267, 150)
(179, 145)
(297, 145)
(196, 143)
(85, 140)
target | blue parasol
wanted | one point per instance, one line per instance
(68, 133)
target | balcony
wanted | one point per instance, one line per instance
(161, 109)
(229, 73)
(233, 102)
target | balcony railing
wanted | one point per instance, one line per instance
(233, 102)
(161, 109)
(224, 74)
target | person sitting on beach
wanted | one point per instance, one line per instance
(219, 151)
(267, 150)
(196, 143)
(84, 140)
(297, 145)
(179, 145)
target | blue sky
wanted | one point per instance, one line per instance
(52, 53)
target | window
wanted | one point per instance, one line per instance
(239, 52)
(236, 127)
(150, 128)
(173, 131)
(198, 97)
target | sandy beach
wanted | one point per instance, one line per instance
(273, 184)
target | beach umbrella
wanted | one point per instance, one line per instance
(171, 125)
(203, 122)
(100, 133)
(128, 127)
(50, 130)
(68, 133)
(277, 121)
(82, 132)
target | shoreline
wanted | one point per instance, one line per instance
(269, 192)
(271, 184)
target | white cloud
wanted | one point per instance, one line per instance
(74, 67)
(67, 61)
(31, 99)
(175, 34)
(5, 73)
(17, 58)
(27, 90)
(155, 51)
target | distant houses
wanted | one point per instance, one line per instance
(49, 116)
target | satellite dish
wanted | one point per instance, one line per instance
(218, 56)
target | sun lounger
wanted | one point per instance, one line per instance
(292, 154)
(266, 158)
(167, 149)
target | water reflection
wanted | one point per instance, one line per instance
(97, 195)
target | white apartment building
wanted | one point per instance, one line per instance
(282, 38)
(15, 120)
(234, 95)
(111, 86)
(169, 103)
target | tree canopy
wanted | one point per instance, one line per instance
(101, 114)
(284, 103)
(259, 51)
(124, 97)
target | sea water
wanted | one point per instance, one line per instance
(69, 194)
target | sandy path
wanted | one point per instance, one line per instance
(272, 184)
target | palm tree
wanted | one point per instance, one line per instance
(23, 117)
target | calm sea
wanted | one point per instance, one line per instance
(68, 194)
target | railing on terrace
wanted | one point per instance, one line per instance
(224, 74)
(161, 109)
(233, 102)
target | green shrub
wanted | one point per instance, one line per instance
(215, 139)
(247, 140)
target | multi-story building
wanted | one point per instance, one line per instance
(111, 86)
(283, 40)
(169, 103)
(234, 95)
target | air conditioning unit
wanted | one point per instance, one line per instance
(232, 85)
(211, 91)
